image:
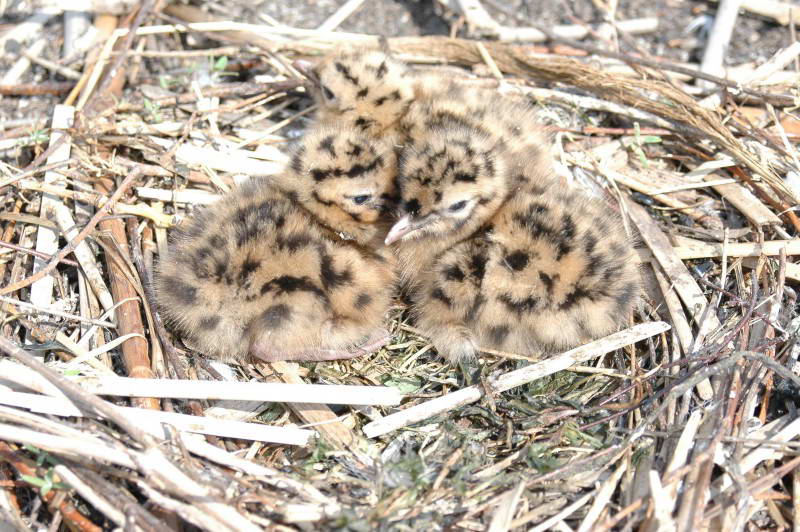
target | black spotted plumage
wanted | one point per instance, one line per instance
(287, 268)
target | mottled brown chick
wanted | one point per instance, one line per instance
(385, 98)
(528, 268)
(279, 270)
(362, 88)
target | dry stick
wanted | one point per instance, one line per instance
(55, 67)
(111, 85)
(88, 403)
(30, 251)
(34, 171)
(212, 390)
(720, 37)
(135, 352)
(322, 418)
(762, 484)
(47, 239)
(69, 248)
(151, 462)
(84, 254)
(98, 200)
(150, 299)
(335, 20)
(95, 499)
(53, 312)
(784, 13)
(152, 421)
(679, 276)
(515, 378)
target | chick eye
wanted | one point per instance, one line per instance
(361, 200)
(327, 93)
(457, 206)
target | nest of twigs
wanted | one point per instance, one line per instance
(685, 420)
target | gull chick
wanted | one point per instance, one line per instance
(496, 254)
(286, 268)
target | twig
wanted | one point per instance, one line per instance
(84, 255)
(335, 20)
(151, 463)
(209, 390)
(720, 36)
(152, 420)
(35, 89)
(695, 249)
(53, 312)
(55, 67)
(679, 276)
(69, 248)
(47, 239)
(68, 510)
(29, 251)
(323, 419)
(784, 13)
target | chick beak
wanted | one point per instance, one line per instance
(306, 68)
(401, 228)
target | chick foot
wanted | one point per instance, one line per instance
(369, 344)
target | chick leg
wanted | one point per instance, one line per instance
(368, 344)
(455, 342)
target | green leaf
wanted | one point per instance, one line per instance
(404, 384)
(36, 481)
(221, 63)
(650, 139)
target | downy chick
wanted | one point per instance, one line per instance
(361, 88)
(282, 270)
(385, 98)
(494, 263)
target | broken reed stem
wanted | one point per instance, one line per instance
(214, 390)
(69, 248)
(152, 420)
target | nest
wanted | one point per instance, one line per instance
(686, 419)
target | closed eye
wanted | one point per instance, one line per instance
(457, 206)
(361, 200)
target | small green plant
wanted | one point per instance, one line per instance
(153, 110)
(639, 141)
(38, 136)
(220, 64)
(46, 483)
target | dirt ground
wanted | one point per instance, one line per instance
(683, 24)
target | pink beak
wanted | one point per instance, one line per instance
(303, 66)
(399, 230)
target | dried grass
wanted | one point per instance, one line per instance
(692, 427)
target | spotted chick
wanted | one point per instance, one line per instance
(497, 255)
(288, 269)
(385, 98)
(362, 88)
